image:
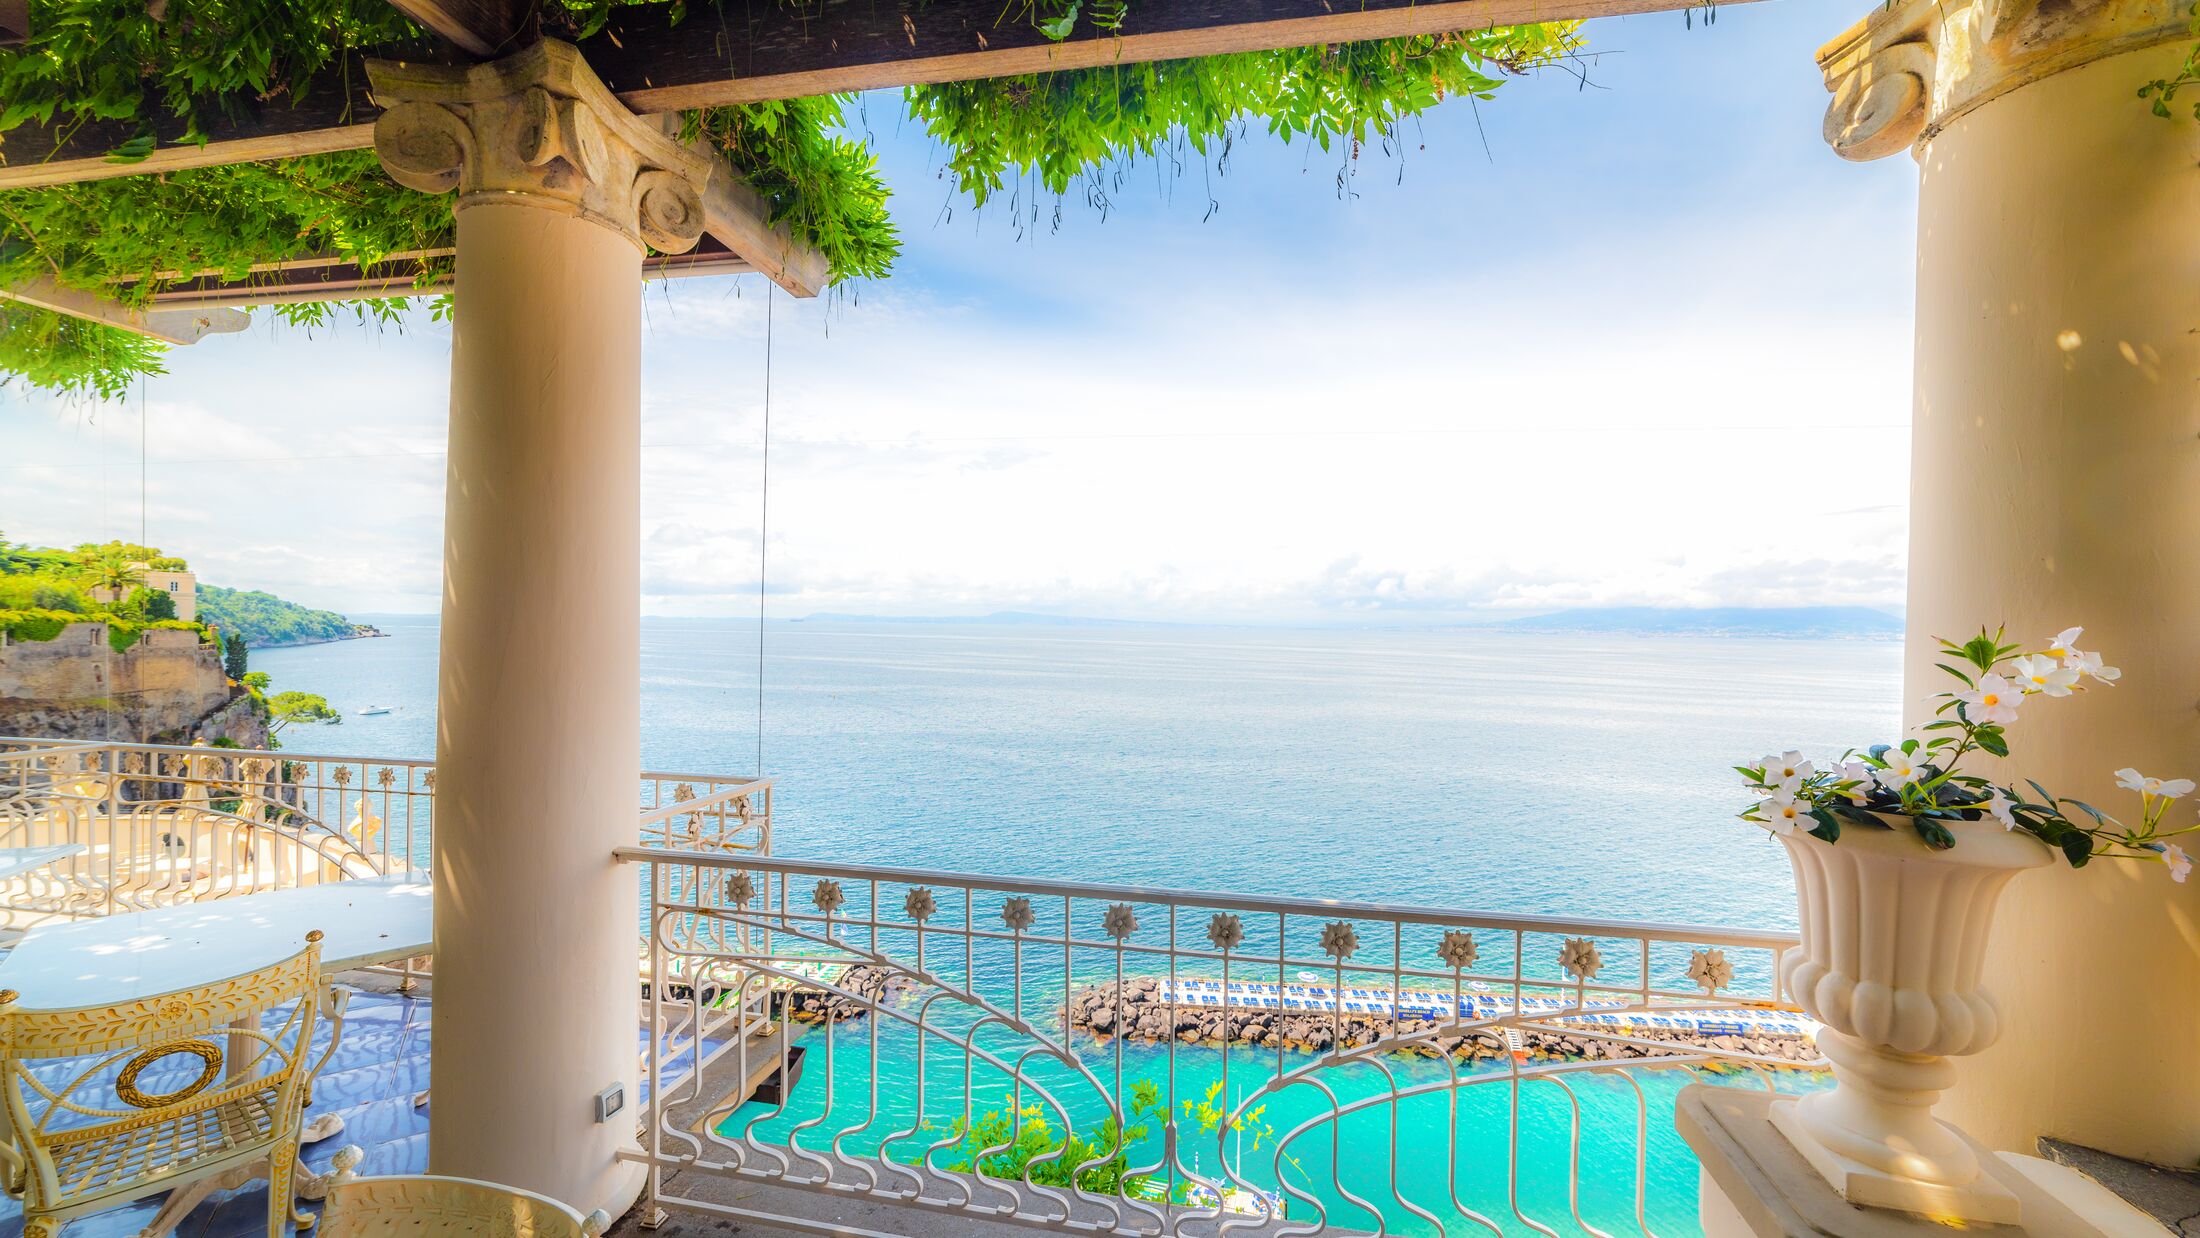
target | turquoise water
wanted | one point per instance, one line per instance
(1564, 775)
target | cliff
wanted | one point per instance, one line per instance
(167, 687)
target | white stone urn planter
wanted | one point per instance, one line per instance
(1894, 933)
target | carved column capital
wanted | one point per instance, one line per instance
(1910, 69)
(539, 126)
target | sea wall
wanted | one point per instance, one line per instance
(166, 687)
(1142, 1012)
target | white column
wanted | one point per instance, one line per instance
(2056, 481)
(536, 979)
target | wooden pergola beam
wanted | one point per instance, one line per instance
(745, 51)
(484, 29)
(170, 325)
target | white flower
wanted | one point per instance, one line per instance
(2132, 780)
(2180, 864)
(1998, 805)
(1782, 814)
(2065, 644)
(1902, 770)
(1788, 771)
(2090, 664)
(1860, 774)
(1994, 700)
(2036, 672)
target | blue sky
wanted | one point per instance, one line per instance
(1645, 341)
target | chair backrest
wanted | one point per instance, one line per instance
(424, 1205)
(153, 1060)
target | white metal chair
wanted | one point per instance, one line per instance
(425, 1205)
(83, 1136)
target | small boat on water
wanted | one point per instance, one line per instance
(371, 710)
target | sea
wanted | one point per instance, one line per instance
(1581, 775)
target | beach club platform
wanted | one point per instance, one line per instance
(1425, 1004)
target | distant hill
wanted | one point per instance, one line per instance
(1817, 621)
(267, 621)
(1018, 617)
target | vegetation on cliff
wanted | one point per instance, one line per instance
(43, 591)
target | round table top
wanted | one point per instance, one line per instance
(114, 959)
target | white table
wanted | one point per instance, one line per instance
(123, 958)
(15, 861)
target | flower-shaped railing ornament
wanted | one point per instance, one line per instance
(133, 762)
(920, 904)
(385, 776)
(1710, 970)
(1580, 958)
(828, 896)
(741, 888)
(1458, 950)
(1225, 932)
(427, 779)
(1340, 940)
(1120, 921)
(682, 793)
(1016, 913)
(341, 775)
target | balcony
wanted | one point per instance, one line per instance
(903, 1051)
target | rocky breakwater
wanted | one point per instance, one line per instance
(874, 986)
(1142, 1011)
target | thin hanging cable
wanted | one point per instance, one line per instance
(142, 503)
(764, 527)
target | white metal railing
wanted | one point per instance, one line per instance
(164, 823)
(1125, 1060)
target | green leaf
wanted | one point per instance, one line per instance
(1933, 832)
(1827, 831)
(1967, 682)
(1982, 650)
(2077, 847)
(1990, 740)
(136, 150)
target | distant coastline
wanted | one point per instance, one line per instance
(1781, 622)
(363, 631)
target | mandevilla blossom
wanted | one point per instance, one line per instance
(2065, 644)
(2090, 665)
(2039, 673)
(2132, 780)
(1998, 805)
(2180, 864)
(1995, 699)
(1902, 770)
(1782, 815)
(1861, 774)
(1788, 770)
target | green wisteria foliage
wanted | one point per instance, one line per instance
(128, 237)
